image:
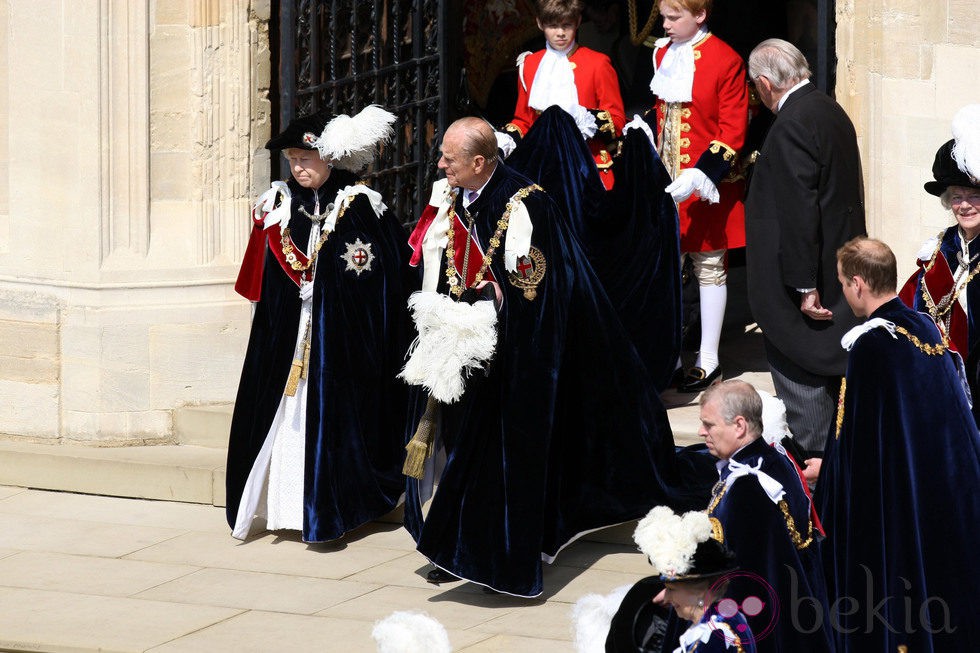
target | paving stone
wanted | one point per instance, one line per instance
(261, 632)
(605, 556)
(512, 644)
(60, 621)
(268, 553)
(39, 533)
(257, 591)
(85, 574)
(116, 510)
(459, 610)
(540, 620)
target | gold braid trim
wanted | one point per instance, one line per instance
(717, 146)
(717, 530)
(791, 527)
(456, 286)
(932, 350)
(840, 407)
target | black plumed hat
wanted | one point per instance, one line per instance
(958, 160)
(302, 132)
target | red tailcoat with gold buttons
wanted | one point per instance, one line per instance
(598, 89)
(708, 133)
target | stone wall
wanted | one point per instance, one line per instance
(904, 68)
(130, 153)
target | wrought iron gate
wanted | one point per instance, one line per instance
(342, 55)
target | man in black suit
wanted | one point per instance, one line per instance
(805, 200)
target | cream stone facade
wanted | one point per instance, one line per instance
(131, 146)
(131, 149)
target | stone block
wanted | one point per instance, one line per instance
(171, 69)
(204, 426)
(29, 409)
(172, 177)
(171, 12)
(196, 362)
(957, 68)
(964, 17)
(172, 131)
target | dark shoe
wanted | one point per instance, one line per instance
(676, 379)
(437, 576)
(697, 379)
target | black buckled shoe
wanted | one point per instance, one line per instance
(437, 576)
(697, 379)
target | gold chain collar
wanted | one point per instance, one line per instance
(456, 284)
(288, 247)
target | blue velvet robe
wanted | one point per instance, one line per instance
(629, 235)
(757, 531)
(564, 433)
(950, 245)
(898, 497)
(356, 409)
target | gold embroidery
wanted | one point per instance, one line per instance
(717, 146)
(933, 350)
(942, 312)
(791, 527)
(530, 271)
(717, 530)
(685, 143)
(840, 407)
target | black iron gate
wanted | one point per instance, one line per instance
(342, 55)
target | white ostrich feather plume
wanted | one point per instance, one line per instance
(966, 132)
(455, 339)
(591, 617)
(410, 632)
(774, 426)
(350, 141)
(670, 540)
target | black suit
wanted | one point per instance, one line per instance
(806, 199)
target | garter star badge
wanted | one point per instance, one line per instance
(530, 271)
(358, 257)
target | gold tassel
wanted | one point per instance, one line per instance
(295, 371)
(419, 448)
(306, 358)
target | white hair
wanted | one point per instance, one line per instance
(780, 62)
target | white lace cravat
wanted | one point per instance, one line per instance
(554, 82)
(674, 79)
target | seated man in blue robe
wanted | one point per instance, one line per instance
(897, 491)
(556, 430)
(760, 508)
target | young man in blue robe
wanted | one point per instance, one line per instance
(897, 490)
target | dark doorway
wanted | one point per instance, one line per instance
(342, 55)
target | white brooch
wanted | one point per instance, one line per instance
(358, 256)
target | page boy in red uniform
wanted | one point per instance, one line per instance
(702, 110)
(579, 80)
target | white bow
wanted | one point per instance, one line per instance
(772, 487)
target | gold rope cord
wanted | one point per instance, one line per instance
(638, 38)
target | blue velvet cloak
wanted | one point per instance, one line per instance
(630, 235)
(356, 410)
(949, 246)
(565, 432)
(898, 497)
(757, 531)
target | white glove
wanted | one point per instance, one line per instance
(690, 181)
(584, 120)
(505, 142)
(639, 123)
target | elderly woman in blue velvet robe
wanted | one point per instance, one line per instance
(945, 285)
